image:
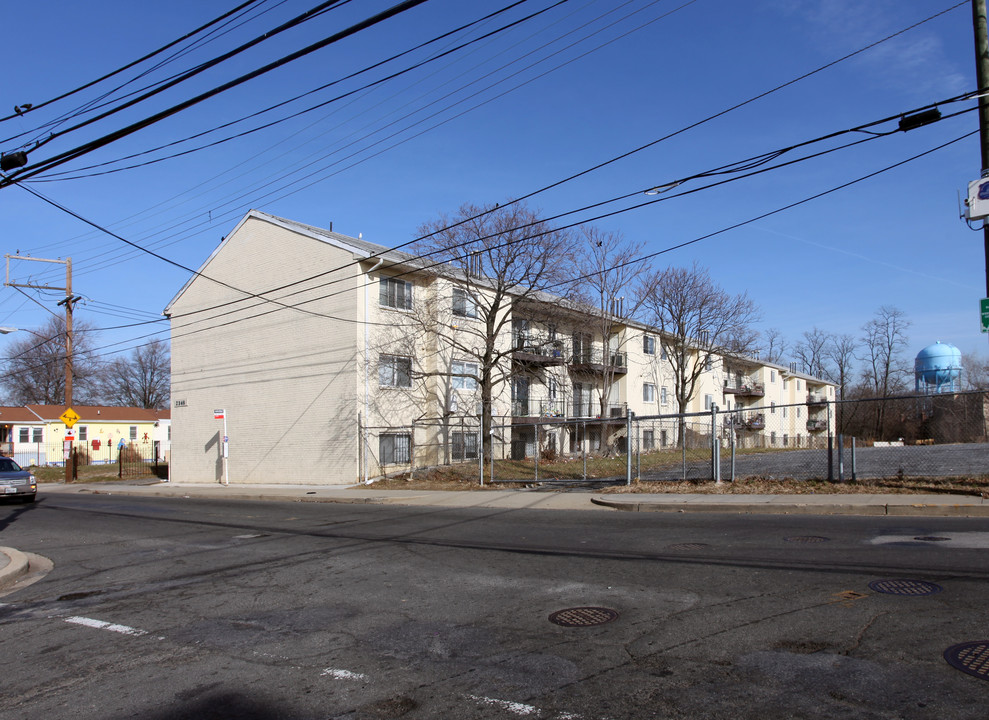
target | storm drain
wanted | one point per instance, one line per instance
(932, 538)
(807, 539)
(971, 658)
(688, 546)
(913, 588)
(583, 616)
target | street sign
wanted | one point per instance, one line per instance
(984, 306)
(69, 417)
(219, 414)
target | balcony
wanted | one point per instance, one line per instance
(594, 361)
(592, 410)
(538, 408)
(816, 400)
(817, 425)
(746, 389)
(532, 349)
(755, 421)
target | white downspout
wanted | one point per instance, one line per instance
(367, 367)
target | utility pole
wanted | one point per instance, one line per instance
(982, 78)
(68, 302)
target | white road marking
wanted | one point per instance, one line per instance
(522, 709)
(343, 674)
(513, 707)
(101, 625)
(966, 540)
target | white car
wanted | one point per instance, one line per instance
(16, 482)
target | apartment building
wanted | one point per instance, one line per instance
(333, 360)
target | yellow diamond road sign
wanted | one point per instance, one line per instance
(69, 417)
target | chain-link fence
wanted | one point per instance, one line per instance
(916, 436)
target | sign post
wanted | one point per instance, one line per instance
(222, 415)
(70, 417)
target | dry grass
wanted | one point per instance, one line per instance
(464, 477)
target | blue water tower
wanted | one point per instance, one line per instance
(938, 369)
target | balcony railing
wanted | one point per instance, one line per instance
(816, 425)
(592, 409)
(755, 421)
(538, 408)
(815, 399)
(746, 389)
(537, 350)
(594, 360)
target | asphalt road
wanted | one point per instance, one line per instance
(178, 608)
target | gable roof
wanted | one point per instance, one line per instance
(95, 413)
(358, 247)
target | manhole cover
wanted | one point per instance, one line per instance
(583, 616)
(807, 539)
(905, 587)
(687, 546)
(932, 538)
(970, 657)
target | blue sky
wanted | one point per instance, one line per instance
(588, 81)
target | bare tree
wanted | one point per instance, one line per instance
(812, 352)
(610, 272)
(141, 380)
(975, 372)
(773, 346)
(506, 259)
(841, 352)
(698, 321)
(884, 338)
(34, 366)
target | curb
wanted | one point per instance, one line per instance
(15, 569)
(920, 510)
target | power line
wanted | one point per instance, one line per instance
(25, 109)
(68, 155)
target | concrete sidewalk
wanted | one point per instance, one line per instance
(823, 504)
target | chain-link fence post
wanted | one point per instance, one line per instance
(715, 446)
(583, 445)
(731, 427)
(628, 446)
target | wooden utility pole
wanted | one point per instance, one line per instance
(982, 78)
(68, 301)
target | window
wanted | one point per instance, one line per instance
(464, 446)
(25, 435)
(772, 408)
(708, 401)
(395, 293)
(663, 396)
(786, 440)
(551, 389)
(798, 386)
(663, 438)
(394, 449)
(772, 376)
(648, 439)
(708, 364)
(133, 432)
(648, 392)
(37, 435)
(394, 371)
(772, 438)
(463, 304)
(581, 348)
(83, 433)
(784, 411)
(459, 370)
(662, 352)
(798, 412)
(648, 344)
